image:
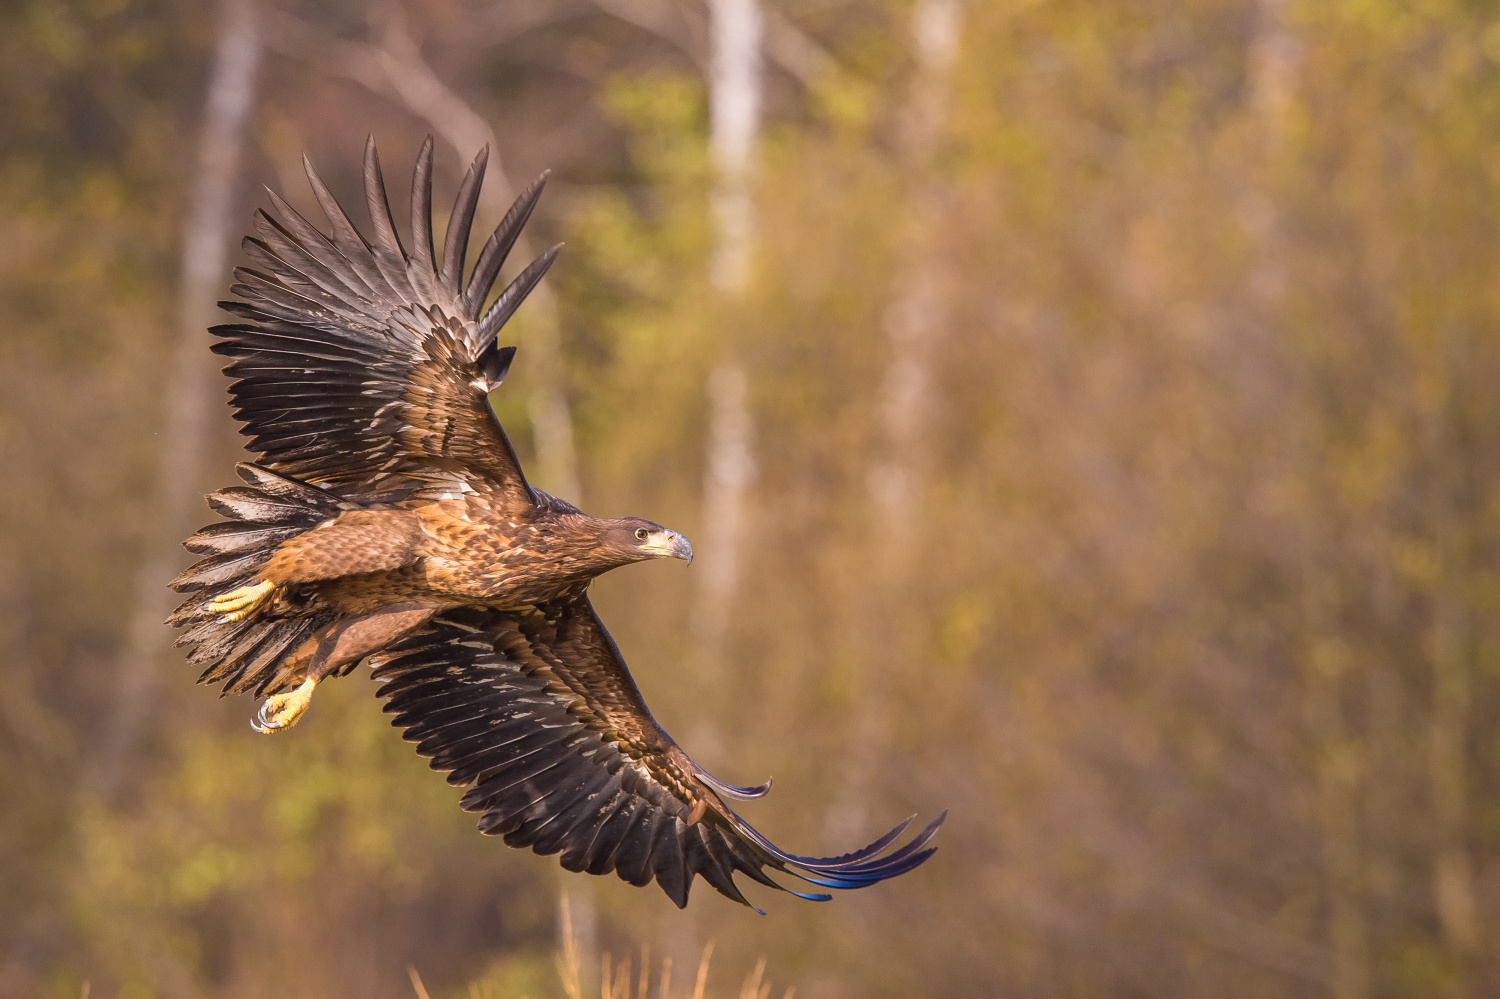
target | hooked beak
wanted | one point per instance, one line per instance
(670, 544)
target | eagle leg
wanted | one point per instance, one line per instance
(239, 604)
(281, 711)
(342, 644)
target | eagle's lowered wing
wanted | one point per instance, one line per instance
(538, 713)
(365, 368)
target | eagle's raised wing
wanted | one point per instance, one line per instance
(365, 368)
(536, 710)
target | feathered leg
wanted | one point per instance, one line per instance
(343, 643)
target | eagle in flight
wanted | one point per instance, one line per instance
(387, 520)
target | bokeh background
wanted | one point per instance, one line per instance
(1087, 414)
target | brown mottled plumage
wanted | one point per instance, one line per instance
(388, 521)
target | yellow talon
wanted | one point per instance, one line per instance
(238, 604)
(281, 711)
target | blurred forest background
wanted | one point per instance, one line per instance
(1087, 414)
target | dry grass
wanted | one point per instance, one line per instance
(616, 978)
(624, 978)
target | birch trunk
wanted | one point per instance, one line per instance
(914, 323)
(735, 86)
(916, 320)
(189, 391)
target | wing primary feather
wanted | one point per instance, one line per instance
(492, 257)
(515, 293)
(633, 862)
(599, 857)
(587, 808)
(856, 862)
(567, 807)
(456, 240)
(389, 254)
(854, 856)
(739, 855)
(575, 855)
(668, 864)
(896, 858)
(811, 896)
(702, 859)
(421, 214)
(318, 246)
(351, 245)
(300, 271)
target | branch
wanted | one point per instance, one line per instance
(686, 28)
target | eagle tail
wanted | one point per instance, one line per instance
(247, 653)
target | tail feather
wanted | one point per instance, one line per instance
(253, 662)
(282, 487)
(234, 537)
(242, 503)
(281, 642)
(221, 569)
(266, 511)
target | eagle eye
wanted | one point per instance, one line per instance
(642, 534)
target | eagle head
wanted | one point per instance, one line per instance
(635, 540)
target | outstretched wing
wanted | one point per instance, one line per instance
(536, 712)
(365, 368)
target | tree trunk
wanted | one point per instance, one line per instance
(916, 320)
(205, 252)
(735, 93)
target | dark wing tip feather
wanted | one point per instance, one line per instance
(456, 239)
(495, 252)
(378, 203)
(421, 212)
(514, 294)
(852, 870)
(343, 228)
(390, 255)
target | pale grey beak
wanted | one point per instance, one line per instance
(669, 544)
